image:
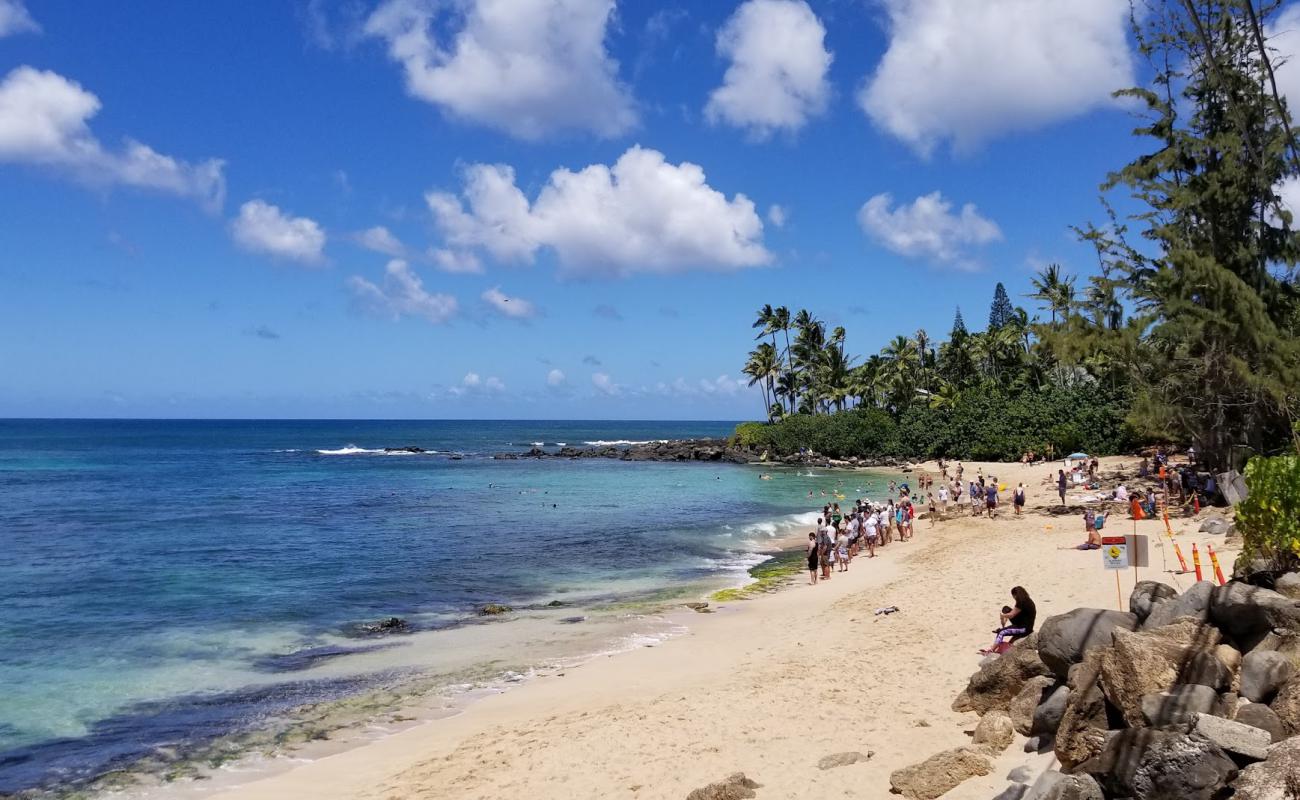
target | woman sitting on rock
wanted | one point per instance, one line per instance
(1016, 622)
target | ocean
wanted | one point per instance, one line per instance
(177, 593)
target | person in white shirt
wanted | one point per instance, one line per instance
(869, 533)
(1121, 493)
(943, 501)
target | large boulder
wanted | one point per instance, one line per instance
(1262, 673)
(1025, 703)
(1176, 706)
(1288, 585)
(1194, 603)
(1243, 611)
(1274, 778)
(1146, 764)
(995, 732)
(1148, 662)
(1260, 716)
(1047, 717)
(1065, 638)
(1081, 733)
(1145, 596)
(735, 787)
(999, 680)
(939, 773)
(1236, 738)
(1056, 786)
(1215, 526)
(1287, 706)
(1230, 657)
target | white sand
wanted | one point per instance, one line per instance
(768, 686)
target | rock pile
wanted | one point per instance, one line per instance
(1190, 696)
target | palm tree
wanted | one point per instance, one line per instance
(781, 322)
(947, 396)
(762, 368)
(787, 386)
(1054, 290)
(922, 340)
(833, 376)
(897, 376)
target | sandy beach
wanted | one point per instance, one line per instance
(771, 685)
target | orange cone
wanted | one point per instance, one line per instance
(1196, 562)
(1218, 570)
(1196, 503)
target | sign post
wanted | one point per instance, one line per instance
(1114, 556)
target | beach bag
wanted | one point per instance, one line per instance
(1099, 521)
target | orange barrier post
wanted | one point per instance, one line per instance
(1218, 570)
(1182, 562)
(1196, 562)
(1196, 503)
(1135, 508)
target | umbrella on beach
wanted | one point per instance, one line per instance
(1077, 455)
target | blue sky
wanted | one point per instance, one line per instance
(523, 209)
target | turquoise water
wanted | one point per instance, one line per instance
(166, 582)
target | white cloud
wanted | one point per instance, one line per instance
(402, 294)
(777, 215)
(43, 121)
(927, 228)
(723, 385)
(640, 215)
(507, 306)
(473, 383)
(527, 67)
(779, 60)
(14, 18)
(968, 72)
(381, 240)
(605, 384)
(555, 378)
(264, 228)
(456, 262)
(1283, 34)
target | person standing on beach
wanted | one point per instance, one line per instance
(943, 501)
(1018, 498)
(869, 532)
(1060, 484)
(814, 558)
(824, 547)
(842, 550)
(991, 498)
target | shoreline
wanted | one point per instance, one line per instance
(388, 707)
(766, 686)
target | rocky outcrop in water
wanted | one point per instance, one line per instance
(705, 450)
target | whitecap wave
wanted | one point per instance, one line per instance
(349, 450)
(612, 442)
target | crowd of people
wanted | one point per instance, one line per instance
(840, 537)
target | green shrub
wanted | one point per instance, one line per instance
(1269, 518)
